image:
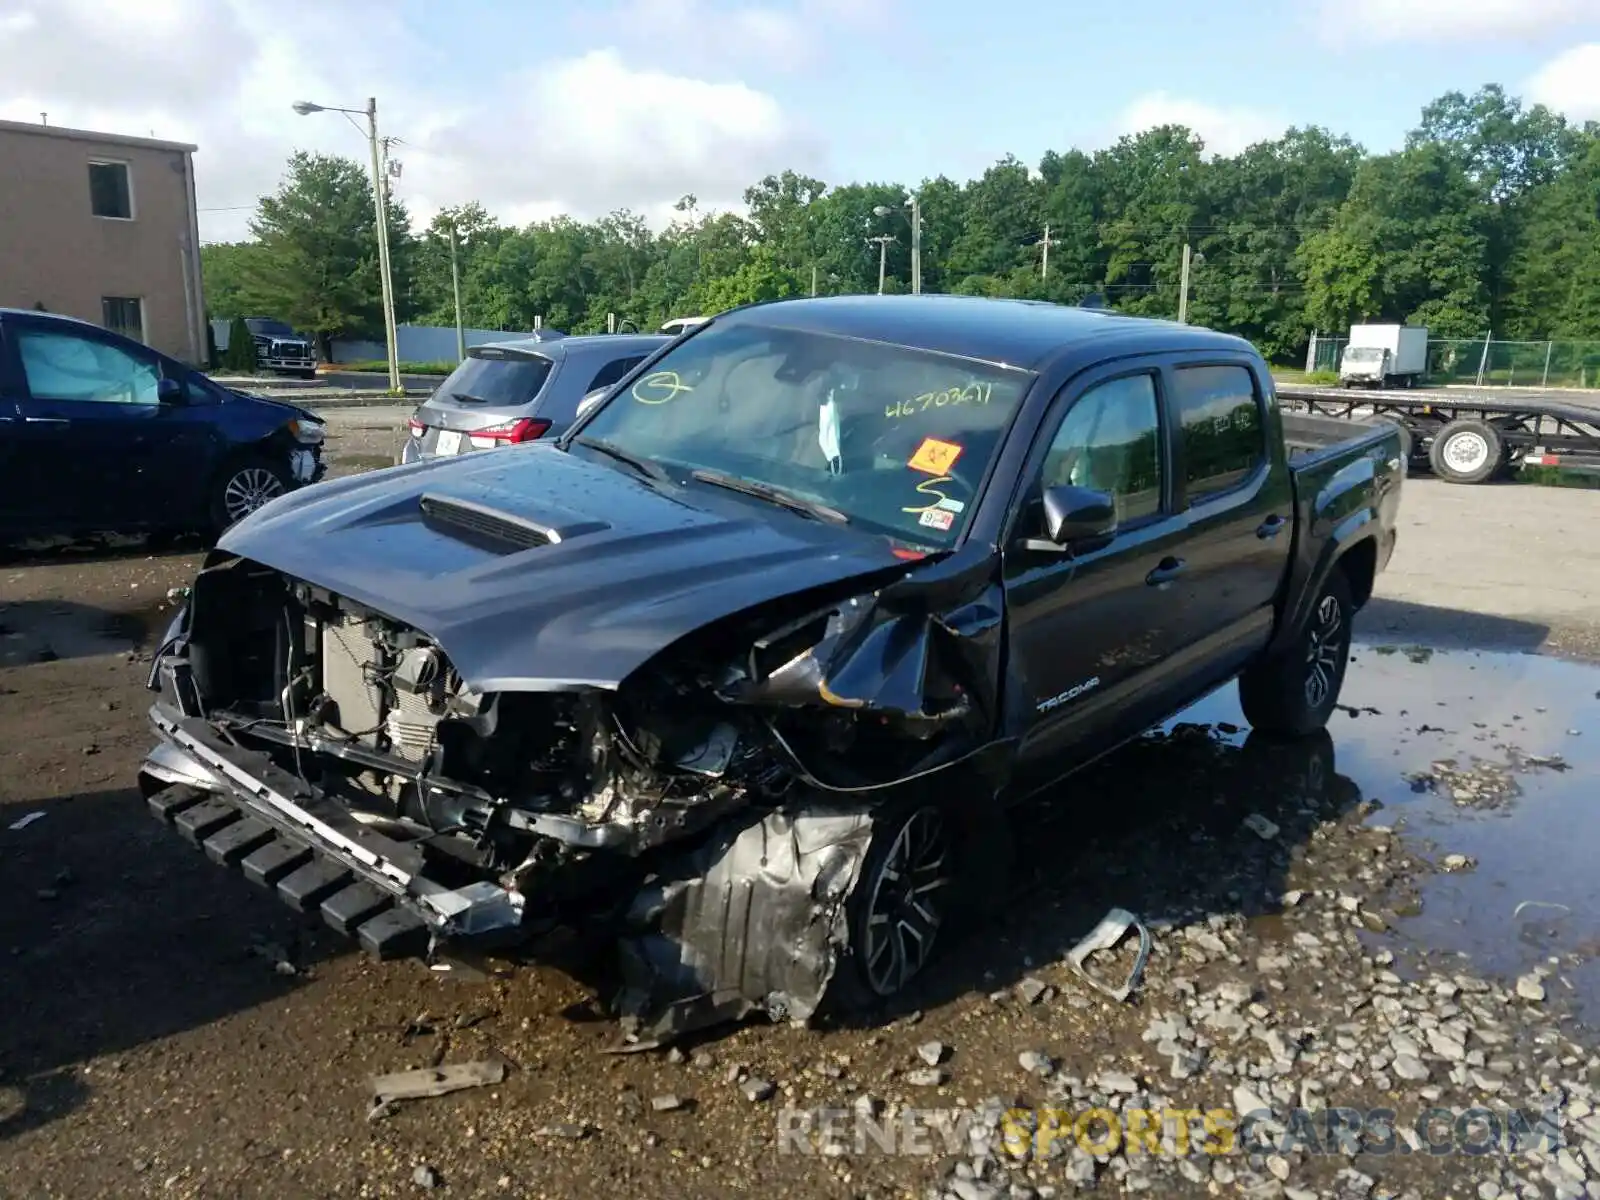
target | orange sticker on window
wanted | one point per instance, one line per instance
(934, 457)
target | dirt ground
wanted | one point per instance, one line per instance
(169, 1030)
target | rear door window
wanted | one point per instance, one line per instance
(509, 380)
(1224, 437)
(613, 371)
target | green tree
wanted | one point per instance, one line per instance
(317, 267)
(240, 355)
(1408, 245)
(1553, 273)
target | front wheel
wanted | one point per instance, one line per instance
(1293, 693)
(244, 486)
(899, 906)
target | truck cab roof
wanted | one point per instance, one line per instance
(1028, 334)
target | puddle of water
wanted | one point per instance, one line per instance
(1533, 827)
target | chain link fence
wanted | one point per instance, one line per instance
(1514, 364)
(1491, 363)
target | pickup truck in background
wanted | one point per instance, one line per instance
(742, 671)
(279, 348)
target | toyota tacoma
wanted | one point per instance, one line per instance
(742, 670)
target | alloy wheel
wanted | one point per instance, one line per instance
(248, 490)
(1325, 644)
(904, 912)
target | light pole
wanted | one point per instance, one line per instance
(915, 205)
(883, 240)
(455, 288)
(381, 207)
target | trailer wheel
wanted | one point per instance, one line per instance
(1293, 693)
(1467, 451)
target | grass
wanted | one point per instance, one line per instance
(1310, 378)
(378, 365)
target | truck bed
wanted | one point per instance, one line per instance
(1309, 438)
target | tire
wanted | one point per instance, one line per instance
(1293, 693)
(903, 901)
(243, 486)
(311, 374)
(1467, 451)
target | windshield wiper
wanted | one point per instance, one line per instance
(642, 465)
(468, 397)
(772, 495)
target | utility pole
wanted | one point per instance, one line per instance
(455, 287)
(813, 279)
(883, 240)
(380, 199)
(916, 246)
(1183, 289)
(1044, 261)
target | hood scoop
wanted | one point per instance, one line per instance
(494, 529)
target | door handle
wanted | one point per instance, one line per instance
(1271, 527)
(45, 421)
(1166, 571)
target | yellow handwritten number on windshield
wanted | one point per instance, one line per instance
(973, 393)
(659, 387)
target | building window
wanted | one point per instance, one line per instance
(124, 315)
(110, 190)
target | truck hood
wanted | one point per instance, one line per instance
(540, 570)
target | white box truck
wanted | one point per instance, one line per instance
(1384, 356)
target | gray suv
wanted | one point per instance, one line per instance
(518, 391)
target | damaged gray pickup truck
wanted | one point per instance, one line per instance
(742, 671)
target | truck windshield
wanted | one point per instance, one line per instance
(1361, 354)
(895, 439)
(268, 328)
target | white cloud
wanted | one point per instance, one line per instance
(583, 135)
(723, 37)
(1569, 83)
(624, 138)
(1354, 21)
(1225, 131)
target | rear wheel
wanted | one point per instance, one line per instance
(1467, 451)
(244, 486)
(1293, 693)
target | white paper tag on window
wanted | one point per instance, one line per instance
(828, 433)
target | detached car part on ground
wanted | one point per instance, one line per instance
(744, 671)
(99, 434)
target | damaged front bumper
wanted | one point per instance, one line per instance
(250, 815)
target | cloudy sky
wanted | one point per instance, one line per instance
(542, 106)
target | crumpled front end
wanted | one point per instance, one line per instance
(713, 810)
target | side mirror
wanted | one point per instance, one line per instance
(1073, 515)
(170, 391)
(590, 401)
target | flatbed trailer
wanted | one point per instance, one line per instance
(1471, 438)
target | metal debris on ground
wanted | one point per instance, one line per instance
(427, 1082)
(1261, 827)
(1105, 936)
(1562, 908)
(24, 822)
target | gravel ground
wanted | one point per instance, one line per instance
(1336, 925)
